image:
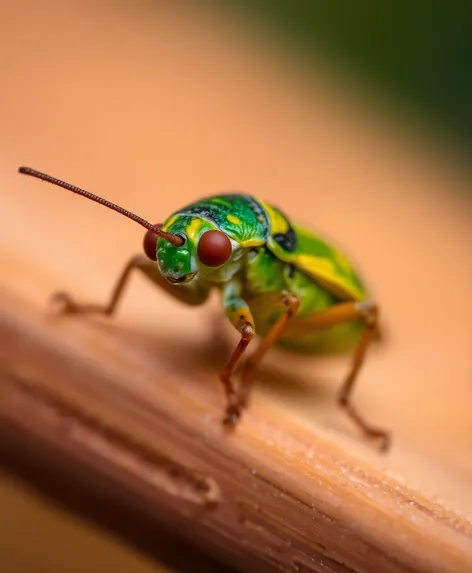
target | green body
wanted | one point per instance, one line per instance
(276, 279)
(270, 256)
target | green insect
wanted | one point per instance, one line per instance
(276, 279)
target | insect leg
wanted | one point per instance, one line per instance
(149, 269)
(369, 313)
(338, 314)
(291, 303)
(241, 318)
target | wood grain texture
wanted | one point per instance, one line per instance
(127, 412)
(273, 494)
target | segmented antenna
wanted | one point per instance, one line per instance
(175, 240)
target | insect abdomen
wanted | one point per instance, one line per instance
(266, 278)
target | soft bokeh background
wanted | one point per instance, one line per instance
(34, 536)
(153, 104)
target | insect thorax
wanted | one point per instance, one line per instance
(240, 216)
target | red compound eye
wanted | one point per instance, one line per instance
(214, 248)
(150, 244)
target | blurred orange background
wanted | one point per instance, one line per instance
(154, 104)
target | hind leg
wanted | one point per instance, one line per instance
(341, 313)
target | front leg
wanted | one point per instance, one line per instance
(241, 318)
(193, 296)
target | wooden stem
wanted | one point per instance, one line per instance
(88, 402)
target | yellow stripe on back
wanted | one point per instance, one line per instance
(234, 220)
(319, 260)
(324, 271)
(278, 223)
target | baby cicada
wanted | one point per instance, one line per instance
(277, 280)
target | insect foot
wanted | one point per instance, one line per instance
(233, 410)
(370, 432)
(385, 442)
(231, 418)
(63, 303)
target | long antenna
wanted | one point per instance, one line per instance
(175, 240)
